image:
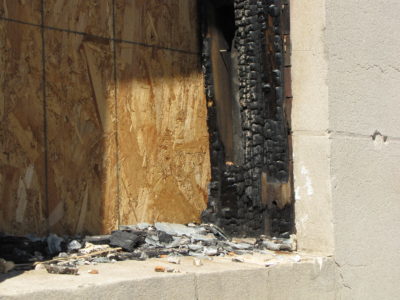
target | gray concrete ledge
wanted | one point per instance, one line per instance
(311, 278)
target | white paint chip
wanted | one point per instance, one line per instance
(297, 193)
(308, 185)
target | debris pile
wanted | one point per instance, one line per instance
(63, 255)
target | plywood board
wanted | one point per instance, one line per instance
(89, 16)
(81, 133)
(22, 180)
(166, 23)
(21, 10)
(163, 138)
(159, 111)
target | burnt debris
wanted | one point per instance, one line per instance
(254, 145)
(135, 242)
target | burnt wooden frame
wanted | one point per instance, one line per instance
(251, 187)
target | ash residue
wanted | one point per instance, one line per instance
(137, 242)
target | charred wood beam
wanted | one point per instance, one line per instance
(250, 192)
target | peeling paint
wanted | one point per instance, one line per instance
(320, 262)
(297, 193)
(308, 185)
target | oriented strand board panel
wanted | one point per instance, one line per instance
(89, 16)
(81, 133)
(21, 10)
(163, 137)
(166, 23)
(22, 174)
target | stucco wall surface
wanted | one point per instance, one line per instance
(346, 128)
(363, 45)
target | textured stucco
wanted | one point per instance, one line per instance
(346, 130)
(366, 206)
(363, 45)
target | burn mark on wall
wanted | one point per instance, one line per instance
(244, 55)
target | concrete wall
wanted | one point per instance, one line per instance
(309, 279)
(346, 137)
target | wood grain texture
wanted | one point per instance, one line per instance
(89, 16)
(81, 133)
(163, 138)
(166, 23)
(22, 200)
(21, 10)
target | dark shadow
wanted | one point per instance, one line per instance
(224, 61)
(9, 275)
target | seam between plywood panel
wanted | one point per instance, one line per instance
(46, 178)
(102, 37)
(116, 116)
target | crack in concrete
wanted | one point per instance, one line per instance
(196, 287)
(342, 280)
(334, 133)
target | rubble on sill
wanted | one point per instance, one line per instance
(64, 255)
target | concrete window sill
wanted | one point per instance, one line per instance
(313, 277)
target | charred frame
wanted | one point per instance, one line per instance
(245, 58)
